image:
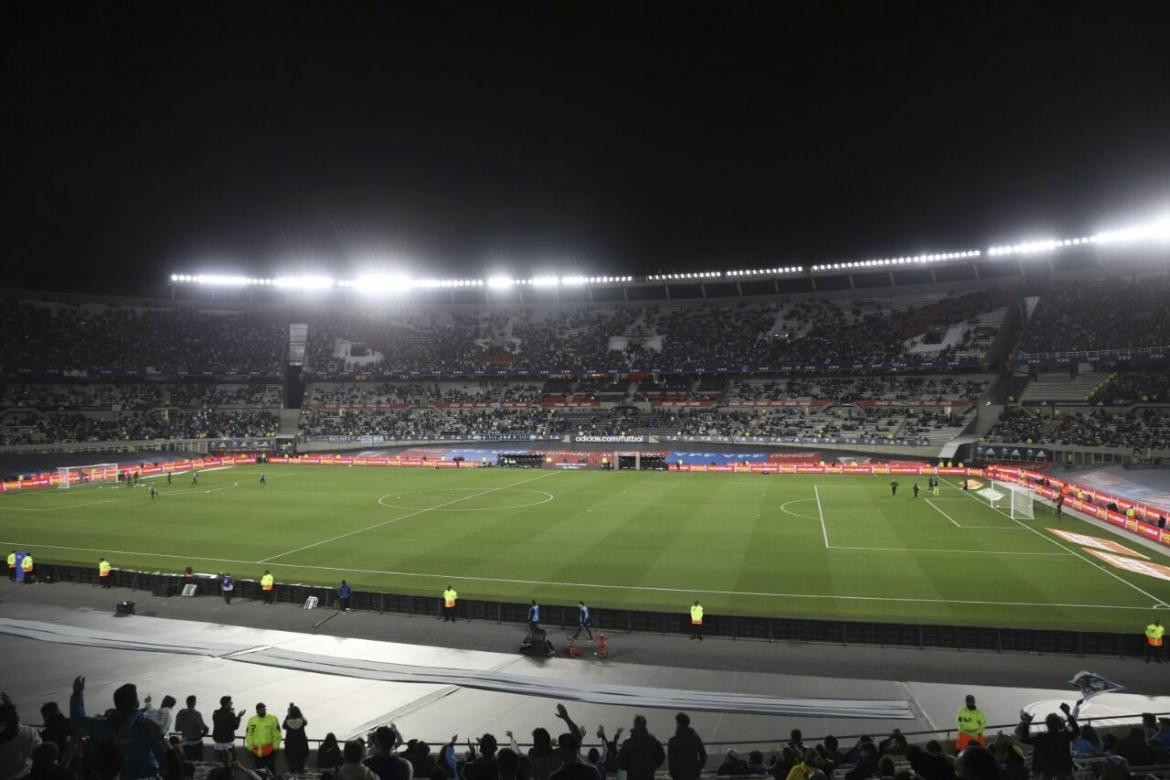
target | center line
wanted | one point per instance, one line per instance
(821, 512)
(403, 517)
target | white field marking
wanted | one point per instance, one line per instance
(135, 497)
(467, 578)
(403, 517)
(948, 550)
(547, 497)
(785, 510)
(1047, 538)
(944, 514)
(821, 512)
(973, 527)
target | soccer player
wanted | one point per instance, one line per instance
(1059, 504)
(153, 493)
(893, 487)
(194, 477)
(934, 485)
(169, 477)
(262, 482)
(916, 490)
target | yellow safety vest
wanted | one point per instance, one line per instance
(27, 564)
(971, 721)
(266, 582)
(12, 560)
(263, 735)
(104, 569)
(696, 615)
(449, 597)
(1153, 634)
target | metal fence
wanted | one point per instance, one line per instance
(774, 629)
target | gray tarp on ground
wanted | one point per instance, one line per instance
(498, 681)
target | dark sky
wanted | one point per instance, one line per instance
(139, 139)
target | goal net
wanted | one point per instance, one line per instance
(1015, 501)
(92, 474)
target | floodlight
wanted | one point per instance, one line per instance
(305, 282)
(500, 282)
(376, 284)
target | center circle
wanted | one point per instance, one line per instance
(463, 499)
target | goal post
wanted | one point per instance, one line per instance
(1023, 506)
(90, 474)
(1015, 501)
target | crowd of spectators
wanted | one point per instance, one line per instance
(134, 426)
(857, 388)
(1017, 425)
(137, 396)
(417, 424)
(39, 337)
(1137, 429)
(654, 337)
(1135, 387)
(337, 394)
(871, 332)
(163, 743)
(1112, 314)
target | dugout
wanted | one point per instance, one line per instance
(520, 460)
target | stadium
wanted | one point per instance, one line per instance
(846, 515)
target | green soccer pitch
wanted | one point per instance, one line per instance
(826, 546)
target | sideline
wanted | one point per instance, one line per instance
(646, 588)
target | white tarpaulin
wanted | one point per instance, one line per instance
(490, 680)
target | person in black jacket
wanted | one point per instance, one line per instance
(641, 754)
(732, 765)
(867, 766)
(224, 723)
(1051, 750)
(685, 754)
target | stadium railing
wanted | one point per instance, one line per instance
(764, 628)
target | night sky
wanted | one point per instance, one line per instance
(468, 137)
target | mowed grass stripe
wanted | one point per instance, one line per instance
(652, 540)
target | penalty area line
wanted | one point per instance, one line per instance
(1071, 551)
(599, 586)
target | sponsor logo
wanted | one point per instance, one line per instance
(612, 439)
(1096, 542)
(1147, 568)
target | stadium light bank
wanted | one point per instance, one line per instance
(1157, 231)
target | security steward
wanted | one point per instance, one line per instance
(12, 565)
(104, 573)
(971, 722)
(450, 599)
(26, 566)
(697, 621)
(268, 585)
(1154, 632)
